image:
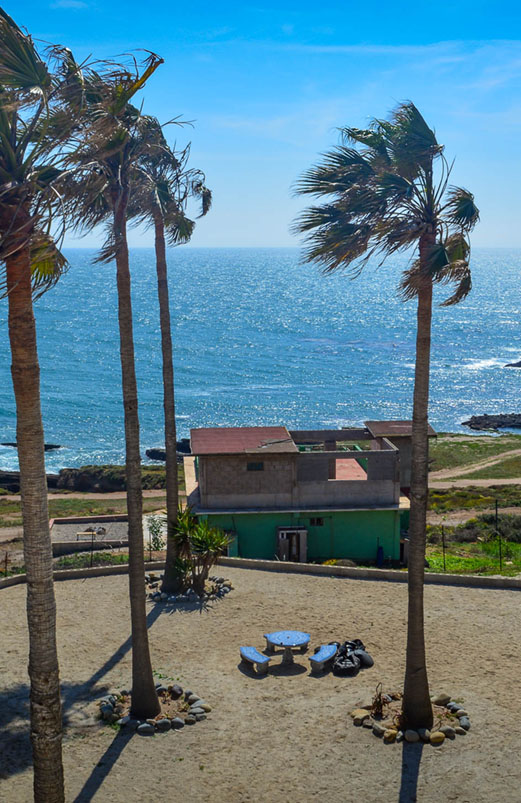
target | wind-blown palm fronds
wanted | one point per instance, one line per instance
(96, 189)
(386, 191)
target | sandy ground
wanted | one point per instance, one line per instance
(284, 737)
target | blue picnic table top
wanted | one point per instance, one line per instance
(288, 638)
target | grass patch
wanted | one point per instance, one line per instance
(506, 469)
(448, 452)
(62, 508)
(441, 501)
(477, 558)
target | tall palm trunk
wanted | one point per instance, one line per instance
(145, 702)
(46, 717)
(172, 580)
(417, 707)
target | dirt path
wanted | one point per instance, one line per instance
(450, 483)
(447, 473)
(87, 495)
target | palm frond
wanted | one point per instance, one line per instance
(21, 68)
(461, 209)
(48, 264)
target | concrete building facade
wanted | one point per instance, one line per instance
(302, 495)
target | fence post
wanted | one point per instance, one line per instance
(443, 546)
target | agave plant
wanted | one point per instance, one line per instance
(387, 191)
(198, 546)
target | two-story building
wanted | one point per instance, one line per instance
(304, 495)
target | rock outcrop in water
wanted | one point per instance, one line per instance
(501, 421)
(47, 446)
(182, 449)
(513, 364)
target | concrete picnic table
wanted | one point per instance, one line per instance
(287, 639)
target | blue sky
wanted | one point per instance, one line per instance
(267, 84)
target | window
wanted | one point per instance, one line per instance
(316, 522)
(255, 467)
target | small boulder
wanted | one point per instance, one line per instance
(177, 723)
(437, 737)
(449, 731)
(378, 729)
(454, 707)
(123, 721)
(146, 729)
(190, 720)
(360, 715)
(399, 736)
(465, 723)
(390, 735)
(368, 723)
(441, 699)
(163, 725)
(461, 713)
(207, 708)
(460, 731)
(175, 691)
(200, 717)
(195, 709)
(106, 711)
(192, 698)
(424, 734)
(411, 736)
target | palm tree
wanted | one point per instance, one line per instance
(162, 190)
(38, 108)
(99, 185)
(384, 196)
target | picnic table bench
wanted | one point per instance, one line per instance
(253, 656)
(326, 653)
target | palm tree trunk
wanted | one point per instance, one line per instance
(172, 581)
(46, 716)
(417, 707)
(145, 702)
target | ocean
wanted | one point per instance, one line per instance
(260, 338)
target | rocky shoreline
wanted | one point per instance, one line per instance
(494, 422)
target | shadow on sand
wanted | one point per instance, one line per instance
(411, 758)
(15, 746)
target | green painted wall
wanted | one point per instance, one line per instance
(352, 534)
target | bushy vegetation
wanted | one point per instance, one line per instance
(474, 497)
(84, 560)
(481, 528)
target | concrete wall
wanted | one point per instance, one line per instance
(342, 534)
(315, 486)
(323, 435)
(224, 481)
(303, 479)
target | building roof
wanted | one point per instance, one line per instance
(396, 429)
(237, 440)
